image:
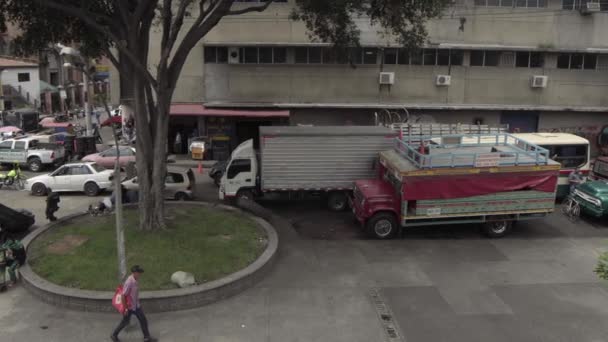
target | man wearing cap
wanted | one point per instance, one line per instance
(130, 293)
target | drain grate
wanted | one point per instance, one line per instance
(386, 317)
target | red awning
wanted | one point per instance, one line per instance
(112, 120)
(192, 109)
(49, 122)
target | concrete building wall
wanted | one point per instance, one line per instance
(413, 85)
(29, 88)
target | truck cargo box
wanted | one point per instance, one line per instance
(324, 158)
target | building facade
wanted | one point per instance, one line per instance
(20, 84)
(537, 65)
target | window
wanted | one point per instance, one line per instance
(62, 171)
(109, 153)
(126, 152)
(511, 3)
(97, 167)
(588, 61)
(23, 77)
(456, 57)
(249, 55)
(19, 145)
(485, 58)
(531, 3)
(263, 55)
(526, 59)
(396, 56)
(570, 156)
(79, 170)
(443, 57)
(174, 178)
(6, 145)
(370, 55)
(315, 55)
(429, 56)
(571, 4)
(216, 54)
(238, 166)
(390, 56)
(307, 55)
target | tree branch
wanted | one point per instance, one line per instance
(89, 21)
(260, 8)
(115, 61)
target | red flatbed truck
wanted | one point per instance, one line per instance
(487, 179)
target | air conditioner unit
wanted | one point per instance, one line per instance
(234, 55)
(443, 80)
(539, 81)
(590, 7)
(387, 78)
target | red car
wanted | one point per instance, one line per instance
(108, 157)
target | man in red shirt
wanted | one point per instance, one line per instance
(130, 293)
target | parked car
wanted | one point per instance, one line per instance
(217, 171)
(179, 184)
(108, 157)
(90, 178)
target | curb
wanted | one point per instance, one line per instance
(155, 301)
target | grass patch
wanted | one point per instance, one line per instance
(208, 243)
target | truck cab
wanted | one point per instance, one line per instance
(373, 197)
(239, 179)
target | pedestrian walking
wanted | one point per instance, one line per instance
(52, 204)
(130, 296)
(177, 146)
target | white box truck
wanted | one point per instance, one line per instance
(298, 162)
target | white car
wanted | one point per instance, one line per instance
(179, 184)
(90, 178)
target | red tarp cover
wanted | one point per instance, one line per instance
(459, 186)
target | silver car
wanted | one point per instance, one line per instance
(179, 184)
(90, 178)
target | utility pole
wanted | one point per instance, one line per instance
(87, 100)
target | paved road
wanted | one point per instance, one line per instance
(332, 284)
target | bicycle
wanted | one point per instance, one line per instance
(572, 209)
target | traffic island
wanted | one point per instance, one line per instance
(72, 262)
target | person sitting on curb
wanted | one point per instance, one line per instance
(15, 257)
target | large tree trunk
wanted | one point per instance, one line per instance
(151, 164)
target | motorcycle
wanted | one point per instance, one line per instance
(13, 177)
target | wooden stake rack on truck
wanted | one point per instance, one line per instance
(488, 179)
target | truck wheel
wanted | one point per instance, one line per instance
(337, 201)
(217, 179)
(91, 189)
(39, 189)
(34, 164)
(382, 226)
(245, 194)
(497, 229)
